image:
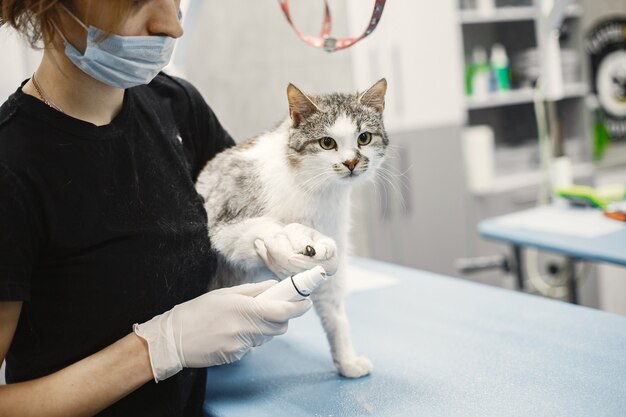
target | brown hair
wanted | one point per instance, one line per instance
(35, 19)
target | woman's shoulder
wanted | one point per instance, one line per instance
(174, 88)
(8, 109)
(17, 134)
(175, 96)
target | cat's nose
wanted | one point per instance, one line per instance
(351, 164)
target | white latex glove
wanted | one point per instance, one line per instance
(296, 248)
(216, 328)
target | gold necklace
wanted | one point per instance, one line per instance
(43, 96)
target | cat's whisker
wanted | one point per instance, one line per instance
(323, 182)
(313, 184)
(392, 151)
(396, 174)
(383, 175)
(387, 176)
(380, 198)
(400, 176)
(384, 194)
(305, 183)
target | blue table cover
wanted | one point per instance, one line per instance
(441, 347)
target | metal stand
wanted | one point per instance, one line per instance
(570, 265)
(517, 267)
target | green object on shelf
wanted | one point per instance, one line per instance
(504, 79)
(500, 67)
(601, 136)
(469, 72)
(584, 195)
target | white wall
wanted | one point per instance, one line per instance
(417, 48)
(242, 54)
(18, 62)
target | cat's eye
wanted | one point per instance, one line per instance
(364, 138)
(328, 143)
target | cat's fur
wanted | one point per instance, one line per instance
(285, 176)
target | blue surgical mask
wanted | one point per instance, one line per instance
(120, 61)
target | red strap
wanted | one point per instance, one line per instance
(324, 40)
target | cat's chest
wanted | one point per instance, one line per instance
(329, 217)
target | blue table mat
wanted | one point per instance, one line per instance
(441, 347)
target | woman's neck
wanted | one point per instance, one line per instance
(73, 92)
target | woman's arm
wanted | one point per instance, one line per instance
(81, 389)
(219, 327)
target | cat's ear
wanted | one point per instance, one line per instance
(375, 96)
(300, 106)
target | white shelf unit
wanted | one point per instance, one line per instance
(511, 113)
(501, 14)
(510, 14)
(521, 96)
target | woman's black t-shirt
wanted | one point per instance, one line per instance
(101, 227)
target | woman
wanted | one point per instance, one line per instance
(101, 225)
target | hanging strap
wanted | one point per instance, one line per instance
(325, 40)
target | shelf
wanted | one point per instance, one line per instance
(501, 14)
(520, 96)
(510, 14)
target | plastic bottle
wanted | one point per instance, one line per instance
(480, 73)
(500, 67)
(297, 287)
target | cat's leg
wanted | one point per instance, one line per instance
(265, 242)
(328, 300)
(235, 241)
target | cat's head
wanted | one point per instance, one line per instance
(336, 139)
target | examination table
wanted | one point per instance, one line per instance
(440, 346)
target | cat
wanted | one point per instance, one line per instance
(302, 172)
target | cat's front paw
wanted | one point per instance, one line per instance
(355, 367)
(312, 248)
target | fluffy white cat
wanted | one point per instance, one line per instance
(291, 187)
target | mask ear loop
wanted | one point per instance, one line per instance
(327, 42)
(56, 27)
(74, 17)
(59, 32)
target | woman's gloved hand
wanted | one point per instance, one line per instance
(296, 248)
(216, 328)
